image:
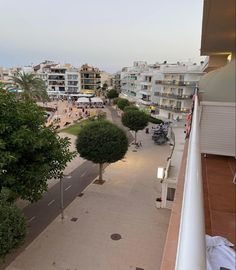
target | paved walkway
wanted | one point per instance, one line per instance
(125, 204)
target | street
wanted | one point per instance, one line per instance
(40, 214)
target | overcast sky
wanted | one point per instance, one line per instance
(109, 34)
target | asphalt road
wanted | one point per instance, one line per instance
(43, 212)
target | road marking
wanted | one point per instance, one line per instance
(82, 175)
(51, 202)
(31, 219)
(68, 187)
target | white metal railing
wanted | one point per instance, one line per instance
(191, 250)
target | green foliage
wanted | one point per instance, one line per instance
(101, 141)
(154, 120)
(131, 108)
(135, 120)
(122, 103)
(33, 88)
(30, 152)
(6, 195)
(115, 100)
(12, 228)
(112, 94)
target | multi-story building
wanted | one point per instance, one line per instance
(175, 89)
(59, 79)
(205, 194)
(4, 75)
(106, 78)
(90, 79)
(130, 80)
(167, 88)
(116, 81)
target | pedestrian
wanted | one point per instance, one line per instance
(140, 144)
(147, 130)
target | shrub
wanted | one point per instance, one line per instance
(155, 120)
(122, 103)
(115, 100)
(130, 108)
(12, 228)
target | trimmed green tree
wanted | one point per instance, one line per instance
(111, 94)
(102, 142)
(115, 100)
(30, 152)
(122, 103)
(131, 108)
(135, 121)
(12, 228)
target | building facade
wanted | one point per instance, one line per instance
(90, 79)
(59, 79)
(166, 88)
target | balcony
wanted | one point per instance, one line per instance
(204, 203)
(174, 109)
(56, 77)
(173, 96)
(145, 101)
(61, 83)
(177, 83)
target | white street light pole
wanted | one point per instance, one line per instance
(62, 199)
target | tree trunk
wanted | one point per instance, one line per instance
(100, 172)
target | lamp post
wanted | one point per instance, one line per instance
(61, 198)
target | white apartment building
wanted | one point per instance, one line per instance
(173, 90)
(130, 78)
(164, 88)
(59, 79)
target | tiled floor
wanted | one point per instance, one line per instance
(219, 196)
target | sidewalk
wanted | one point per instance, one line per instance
(125, 205)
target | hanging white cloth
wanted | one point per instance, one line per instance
(219, 253)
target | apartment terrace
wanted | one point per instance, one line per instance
(204, 204)
(177, 83)
(174, 109)
(174, 96)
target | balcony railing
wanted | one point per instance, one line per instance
(174, 109)
(145, 101)
(178, 83)
(171, 95)
(191, 250)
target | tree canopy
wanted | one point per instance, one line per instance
(111, 94)
(102, 142)
(135, 120)
(122, 103)
(32, 87)
(130, 108)
(30, 152)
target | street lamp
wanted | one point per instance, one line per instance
(61, 198)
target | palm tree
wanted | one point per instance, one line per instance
(32, 87)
